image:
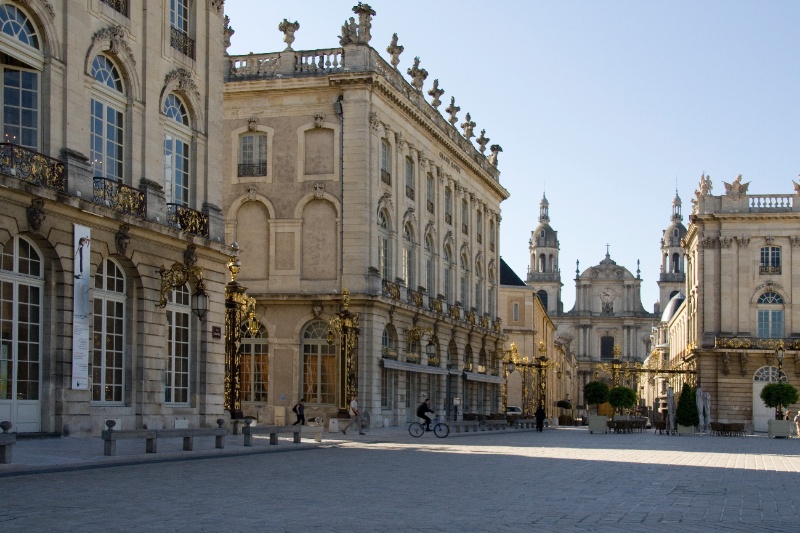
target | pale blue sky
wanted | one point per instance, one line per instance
(608, 106)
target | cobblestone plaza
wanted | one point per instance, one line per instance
(558, 480)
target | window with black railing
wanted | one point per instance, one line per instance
(252, 169)
(120, 6)
(33, 167)
(386, 177)
(770, 260)
(179, 27)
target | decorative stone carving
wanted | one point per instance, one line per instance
(410, 216)
(316, 309)
(36, 214)
(468, 126)
(373, 121)
(452, 110)
(394, 50)
(435, 93)
(47, 6)
(743, 363)
(288, 29)
(216, 5)
(228, 32)
(769, 239)
(190, 256)
(349, 32)
(385, 202)
(398, 139)
(252, 123)
(319, 119)
(495, 149)
(482, 141)
(795, 241)
(736, 189)
(252, 193)
(122, 239)
(115, 35)
(743, 241)
(184, 81)
(319, 190)
(725, 242)
(796, 187)
(704, 188)
(418, 75)
(365, 14)
(726, 363)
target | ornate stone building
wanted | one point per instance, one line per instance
(740, 287)
(340, 175)
(110, 118)
(608, 310)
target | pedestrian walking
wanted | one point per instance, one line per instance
(355, 416)
(797, 423)
(539, 418)
(300, 412)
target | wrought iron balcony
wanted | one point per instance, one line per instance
(448, 218)
(409, 192)
(119, 197)
(187, 219)
(386, 177)
(769, 269)
(756, 343)
(252, 169)
(33, 167)
(430, 206)
(181, 42)
(121, 6)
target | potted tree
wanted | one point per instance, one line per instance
(564, 419)
(779, 395)
(686, 415)
(596, 392)
(621, 398)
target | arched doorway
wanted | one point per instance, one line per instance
(762, 413)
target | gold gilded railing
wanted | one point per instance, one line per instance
(119, 197)
(755, 343)
(32, 167)
(187, 219)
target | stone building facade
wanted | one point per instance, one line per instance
(607, 314)
(741, 284)
(340, 175)
(111, 201)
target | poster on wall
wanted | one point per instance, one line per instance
(80, 314)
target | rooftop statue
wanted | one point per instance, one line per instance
(436, 92)
(418, 75)
(736, 189)
(394, 50)
(452, 110)
(288, 29)
(468, 126)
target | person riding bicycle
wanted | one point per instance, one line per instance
(424, 408)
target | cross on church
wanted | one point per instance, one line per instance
(607, 245)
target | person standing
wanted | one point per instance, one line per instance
(300, 412)
(355, 416)
(539, 418)
(797, 423)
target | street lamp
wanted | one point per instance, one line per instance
(238, 308)
(541, 369)
(780, 352)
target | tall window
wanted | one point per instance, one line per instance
(770, 315)
(179, 27)
(430, 266)
(479, 288)
(319, 364)
(606, 347)
(107, 112)
(409, 178)
(676, 262)
(409, 273)
(386, 162)
(542, 295)
(491, 235)
(21, 291)
(448, 206)
(383, 245)
(447, 257)
(515, 312)
(20, 106)
(770, 260)
(108, 356)
(176, 152)
(254, 354)
(464, 217)
(252, 155)
(492, 303)
(479, 227)
(178, 345)
(431, 193)
(464, 281)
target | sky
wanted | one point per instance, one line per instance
(607, 107)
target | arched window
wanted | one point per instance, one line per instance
(21, 61)
(383, 245)
(177, 144)
(107, 132)
(110, 344)
(542, 263)
(21, 302)
(252, 155)
(770, 315)
(386, 162)
(319, 364)
(430, 266)
(254, 353)
(770, 374)
(676, 262)
(409, 257)
(178, 346)
(464, 281)
(542, 295)
(389, 342)
(447, 257)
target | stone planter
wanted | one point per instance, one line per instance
(780, 429)
(685, 430)
(597, 424)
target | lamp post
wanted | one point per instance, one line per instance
(238, 308)
(780, 352)
(344, 325)
(541, 369)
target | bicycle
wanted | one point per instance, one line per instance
(440, 429)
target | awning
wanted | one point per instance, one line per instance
(486, 378)
(412, 367)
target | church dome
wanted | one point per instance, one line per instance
(544, 235)
(672, 307)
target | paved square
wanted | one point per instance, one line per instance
(558, 480)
